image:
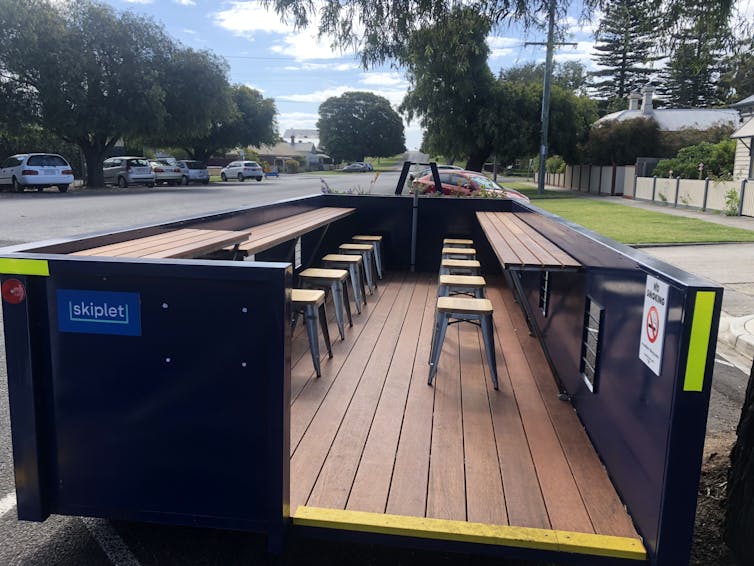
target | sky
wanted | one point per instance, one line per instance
(300, 73)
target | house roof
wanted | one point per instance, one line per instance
(746, 102)
(285, 149)
(675, 119)
(745, 131)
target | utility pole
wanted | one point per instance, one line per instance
(546, 93)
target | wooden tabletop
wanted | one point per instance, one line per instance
(183, 243)
(518, 245)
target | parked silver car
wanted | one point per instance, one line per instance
(166, 172)
(128, 170)
(35, 170)
(242, 170)
(193, 172)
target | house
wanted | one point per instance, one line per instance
(276, 155)
(743, 167)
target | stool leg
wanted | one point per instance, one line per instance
(373, 267)
(325, 330)
(362, 277)
(294, 320)
(346, 302)
(366, 261)
(438, 339)
(479, 292)
(311, 331)
(355, 285)
(337, 299)
(378, 258)
(489, 346)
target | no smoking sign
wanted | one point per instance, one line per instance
(653, 331)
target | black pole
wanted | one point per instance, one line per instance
(546, 98)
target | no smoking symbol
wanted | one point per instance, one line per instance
(653, 324)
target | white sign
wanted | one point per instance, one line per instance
(297, 262)
(653, 323)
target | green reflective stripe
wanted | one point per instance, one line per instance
(12, 266)
(699, 342)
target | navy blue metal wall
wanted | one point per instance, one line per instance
(191, 408)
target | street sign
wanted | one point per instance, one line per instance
(653, 324)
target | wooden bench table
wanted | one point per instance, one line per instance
(271, 234)
(182, 243)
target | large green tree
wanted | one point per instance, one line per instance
(360, 124)
(91, 74)
(625, 42)
(249, 120)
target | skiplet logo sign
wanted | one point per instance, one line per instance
(99, 312)
(653, 323)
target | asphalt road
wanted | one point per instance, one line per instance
(68, 541)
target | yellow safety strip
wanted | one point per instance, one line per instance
(480, 533)
(11, 266)
(701, 327)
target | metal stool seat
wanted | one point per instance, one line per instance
(354, 265)
(376, 242)
(460, 267)
(458, 253)
(311, 303)
(453, 309)
(367, 254)
(473, 285)
(457, 243)
(331, 280)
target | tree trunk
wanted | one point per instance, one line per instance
(476, 160)
(94, 155)
(739, 516)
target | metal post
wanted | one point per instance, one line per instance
(743, 195)
(546, 97)
(677, 190)
(654, 187)
(706, 192)
(636, 182)
(414, 225)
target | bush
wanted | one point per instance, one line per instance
(620, 143)
(555, 164)
(717, 159)
(291, 166)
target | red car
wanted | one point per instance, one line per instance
(465, 183)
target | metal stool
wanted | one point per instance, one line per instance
(354, 265)
(451, 310)
(331, 280)
(473, 285)
(457, 243)
(458, 253)
(376, 241)
(367, 254)
(311, 303)
(460, 267)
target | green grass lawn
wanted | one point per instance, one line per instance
(628, 224)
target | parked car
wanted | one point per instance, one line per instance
(465, 183)
(357, 166)
(242, 170)
(428, 171)
(37, 171)
(193, 171)
(166, 172)
(128, 170)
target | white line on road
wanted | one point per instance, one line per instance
(7, 503)
(114, 546)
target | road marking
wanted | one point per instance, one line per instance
(110, 542)
(7, 503)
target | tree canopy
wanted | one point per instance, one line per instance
(621, 142)
(359, 124)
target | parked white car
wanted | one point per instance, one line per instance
(242, 170)
(36, 171)
(166, 172)
(193, 172)
(126, 170)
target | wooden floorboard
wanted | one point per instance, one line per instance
(371, 435)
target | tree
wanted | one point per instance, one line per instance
(621, 142)
(624, 45)
(739, 516)
(250, 120)
(571, 76)
(717, 159)
(90, 74)
(737, 67)
(358, 124)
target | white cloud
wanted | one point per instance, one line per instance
(306, 66)
(303, 47)
(316, 97)
(246, 18)
(185, 2)
(583, 52)
(383, 79)
(139, 1)
(502, 46)
(189, 31)
(300, 120)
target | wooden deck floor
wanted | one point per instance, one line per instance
(371, 435)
